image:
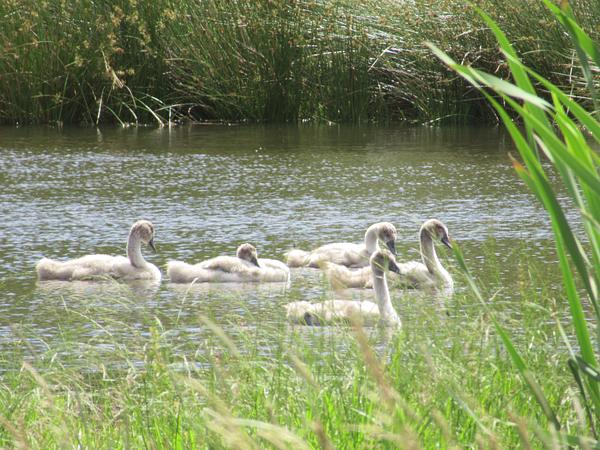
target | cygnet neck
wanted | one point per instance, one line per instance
(371, 240)
(134, 250)
(386, 309)
(428, 254)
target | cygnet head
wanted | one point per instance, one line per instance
(386, 232)
(298, 310)
(247, 252)
(437, 230)
(383, 260)
(145, 231)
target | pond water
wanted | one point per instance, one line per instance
(69, 192)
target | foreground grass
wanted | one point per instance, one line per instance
(444, 381)
(127, 61)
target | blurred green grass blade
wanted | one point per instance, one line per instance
(577, 161)
(567, 165)
(524, 175)
(478, 78)
(537, 181)
(579, 142)
(582, 442)
(521, 78)
(574, 140)
(565, 238)
(583, 44)
(528, 377)
(522, 146)
(565, 162)
(559, 222)
(550, 140)
(574, 164)
(578, 147)
(458, 255)
(556, 149)
(501, 86)
(595, 223)
(576, 366)
(584, 117)
(588, 370)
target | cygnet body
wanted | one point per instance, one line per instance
(132, 267)
(244, 267)
(344, 253)
(415, 274)
(430, 272)
(332, 311)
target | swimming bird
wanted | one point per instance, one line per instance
(304, 312)
(415, 274)
(132, 267)
(245, 266)
(347, 254)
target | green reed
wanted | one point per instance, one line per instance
(277, 61)
(558, 129)
(132, 62)
(81, 63)
(254, 381)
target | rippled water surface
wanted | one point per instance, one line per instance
(66, 193)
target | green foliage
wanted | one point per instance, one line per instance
(128, 61)
(443, 381)
(556, 131)
(81, 62)
(272, 60)
(254, 381)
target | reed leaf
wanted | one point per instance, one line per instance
(528, 377)
(572, 157)
(585, 118)
(583, 44)
(575, 371)
(564, 162)
(521, 78)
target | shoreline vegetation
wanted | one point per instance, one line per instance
(252, 384)
(131, 62)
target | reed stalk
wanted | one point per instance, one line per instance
(131, 62)
(556, 130)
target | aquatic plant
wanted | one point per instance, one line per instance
(131, 62)
(65, 62)
(164, 381)
(449, 382)
(557, 131)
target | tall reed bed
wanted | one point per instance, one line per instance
(82, 62)
(127, 61)
(276, 60)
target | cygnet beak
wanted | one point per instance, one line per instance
(392, 246)
(446, 241)
(393, 266)
(254, 261)
(151, 245)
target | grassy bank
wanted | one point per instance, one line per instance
(106, 381)
(345, 61)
